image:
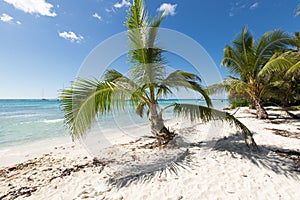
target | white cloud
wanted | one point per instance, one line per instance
(253, 6)
(73, 37)
(40, 7)
(97, 16)
(6, 18)
(168, 9)
(107, 10)
(125, 3)
(239, 6)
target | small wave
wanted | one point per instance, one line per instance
(52, 121)
(10, 116)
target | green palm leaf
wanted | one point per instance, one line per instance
(186, 80)
(288, 62)
(83, 101)
(294, 69)
(206, 114)
(276, 65)
(86, 98)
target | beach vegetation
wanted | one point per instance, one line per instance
(239, 103)
(246, 60)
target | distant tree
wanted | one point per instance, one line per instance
(283, 72)
(245, 59)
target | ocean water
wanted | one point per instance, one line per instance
(27, 121)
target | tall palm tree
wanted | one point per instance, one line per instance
(246, 58)
(146, 84)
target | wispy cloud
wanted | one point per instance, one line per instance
(168, 9)
(97, 16)
(40, 7)
(240, 5)
(297, 12)
(253, 6)
(124, 3)
(108, 10)
(71, 36)
(8, 19)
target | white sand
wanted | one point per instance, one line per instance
(217, 168)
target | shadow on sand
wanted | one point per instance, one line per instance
(280, 161)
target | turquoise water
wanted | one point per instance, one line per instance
(26, 121)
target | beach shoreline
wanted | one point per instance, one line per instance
(220, 166)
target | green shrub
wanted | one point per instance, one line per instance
(239, 103)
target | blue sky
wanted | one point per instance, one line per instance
(44, 42)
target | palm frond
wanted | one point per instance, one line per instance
(86, 98)
(218, 88)
(137, 16)
(153, 29)
(163, 91)
(148, 65)
(148, 62)
(140, 108)
(287, 62)
(138, 94)
(293, 69)
(232, 61)
(243, 42)
(112, 76)
(237, 85)
(83, 101)
(206, 114)
(271, 42)
(186, 80)
(275, 65)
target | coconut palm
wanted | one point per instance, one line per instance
(283, 71)
(146, 84)
(246, 58)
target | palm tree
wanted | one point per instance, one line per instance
(245, 59)
(146, 84)
(283, 71)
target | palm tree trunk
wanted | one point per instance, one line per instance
(260, 110)
(158, 129)
(252, 104)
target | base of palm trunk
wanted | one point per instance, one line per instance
(164, 136)
(252, 106)
(260, 110)
(262, 114)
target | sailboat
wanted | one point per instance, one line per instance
(43, 99)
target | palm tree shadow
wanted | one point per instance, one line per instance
(145, 171)
(281, 161)
(278, 160)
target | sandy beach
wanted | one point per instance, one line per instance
(206, 161)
